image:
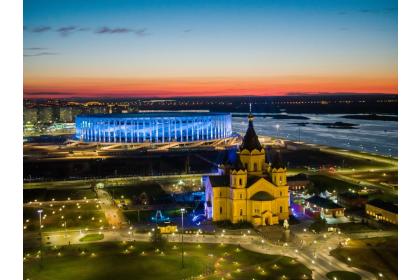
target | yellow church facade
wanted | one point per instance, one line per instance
(250, 189)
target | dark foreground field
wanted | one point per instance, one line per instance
(127, 260)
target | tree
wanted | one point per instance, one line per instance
(157, 239)
(318, 225)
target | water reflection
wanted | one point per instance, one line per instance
(380, 137)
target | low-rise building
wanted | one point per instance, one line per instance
(167, 228)
(352, 200)
(382, 211)
(317, 206)
(298, 182)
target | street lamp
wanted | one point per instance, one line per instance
(40, 234)
(40, 219)
(182, 235)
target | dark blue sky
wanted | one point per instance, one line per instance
(285, 45)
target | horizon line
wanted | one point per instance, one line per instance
(70, 95)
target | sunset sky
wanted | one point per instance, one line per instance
(90, 48)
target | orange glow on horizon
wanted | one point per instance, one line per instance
(172, 87)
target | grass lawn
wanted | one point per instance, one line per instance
(355, 227)
(316, 159)
(92, 237)
(377, 255)
(385, 197)
(153, 190)
(57, 194)
(146, 216)
(343, 275)
(128, 260)
(322, 183)
(75, 215)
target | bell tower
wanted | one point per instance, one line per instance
(251, 152)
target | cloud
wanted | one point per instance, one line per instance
(35, 49)
(107, 30)
(141, 32)
(41, 29)
(187, 30)
(70, 29)
(377, 11)
(369, 11)
(66, 30)
(40, 54)
(121, 30)
(34, 94)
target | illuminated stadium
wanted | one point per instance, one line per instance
(153, 127)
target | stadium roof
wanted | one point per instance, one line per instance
(153, 115)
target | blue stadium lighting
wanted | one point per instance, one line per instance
(153, 127)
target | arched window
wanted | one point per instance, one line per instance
(240, 181)
(220, 194)
(240, 196)
(220, 209)
(281, 209)
(240, 212)
(255, 167)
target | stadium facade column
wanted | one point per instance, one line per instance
(207, 128)
(180, 129)
(138, 131)
(163, 130)
(186, 127)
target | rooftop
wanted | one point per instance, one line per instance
(352, 195)
(298, 177)
(250, 141)
(220, 181)
(262, 196)
(384, 205)
(323, 202)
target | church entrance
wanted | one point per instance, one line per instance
(267, 218)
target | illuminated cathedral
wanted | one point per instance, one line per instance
(250, 189)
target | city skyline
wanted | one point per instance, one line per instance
(184, 48)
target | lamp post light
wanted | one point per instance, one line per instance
(40, 219)
(182, 236)
(40, 235)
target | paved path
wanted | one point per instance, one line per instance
(113, 215)
(315, 255)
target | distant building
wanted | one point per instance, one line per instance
(66, 115)
(352, 200)
(30, 115)
(250, 190)
(45, 114)
(317, 206)
(382, 211)
(298, 182)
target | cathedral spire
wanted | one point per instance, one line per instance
(250, 116)
(250, 141)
